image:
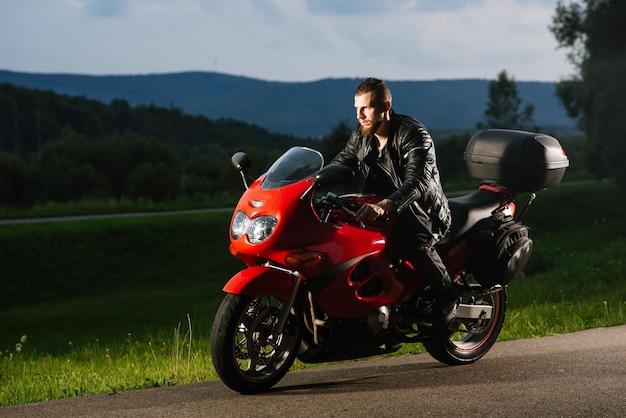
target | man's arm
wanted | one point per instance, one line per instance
(418, 158)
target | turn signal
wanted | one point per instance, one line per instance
(304, 260)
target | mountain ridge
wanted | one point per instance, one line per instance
(305, 109)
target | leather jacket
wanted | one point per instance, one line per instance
(408, 165)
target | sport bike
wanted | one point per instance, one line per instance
(322, 286)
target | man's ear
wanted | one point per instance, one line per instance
(386, 111)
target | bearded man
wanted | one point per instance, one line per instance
(396, 156)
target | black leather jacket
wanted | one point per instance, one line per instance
(408, 165)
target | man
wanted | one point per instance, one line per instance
(396, 156)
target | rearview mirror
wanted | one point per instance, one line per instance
(334, 174)
(241, 161)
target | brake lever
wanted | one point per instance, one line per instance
(340, 204)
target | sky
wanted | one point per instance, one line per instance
(285, 40)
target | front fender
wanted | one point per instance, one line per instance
(260, 280)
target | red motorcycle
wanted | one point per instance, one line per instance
(321, 286)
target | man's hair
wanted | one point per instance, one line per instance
(380, 91)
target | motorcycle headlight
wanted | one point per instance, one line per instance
(238, 227)
(257, 229)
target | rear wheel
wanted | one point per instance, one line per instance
(246, 353)
(472, 338)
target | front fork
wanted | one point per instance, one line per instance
(284, 313)
(311, 321)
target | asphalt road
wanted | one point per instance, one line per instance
(581, 374)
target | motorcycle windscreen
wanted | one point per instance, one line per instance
(296, 164)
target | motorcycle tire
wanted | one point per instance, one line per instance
(246, 355)
(471, 339)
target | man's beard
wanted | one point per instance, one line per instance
(371, 129)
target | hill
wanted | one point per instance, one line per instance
(300, 109)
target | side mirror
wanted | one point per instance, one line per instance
(330, 175)
(241, 161)
(334, 174)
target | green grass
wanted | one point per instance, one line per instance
(575, 278)
(138, 338)
(162, 359)
(120, 304)
(112, 206)
(582, 289)
(57, 261)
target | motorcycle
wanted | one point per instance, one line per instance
(322, 286)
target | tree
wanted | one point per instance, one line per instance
(333, 143)
(153, 181)
(116, 158)
(595, 96)
(64, 168)
(201, 176)
(450, 162)
(503, 106)
(17, 181)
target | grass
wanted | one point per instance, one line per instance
(109, 343)
(575, 277)
(113, 206)
(56, 261)
(161, 360)
(583, 289)
(138, 312)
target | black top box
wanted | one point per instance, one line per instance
(519, 160)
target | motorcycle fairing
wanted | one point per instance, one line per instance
(260, 280)
(360, 285)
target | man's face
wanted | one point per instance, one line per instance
(368, 116)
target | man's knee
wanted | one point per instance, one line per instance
(428, 261)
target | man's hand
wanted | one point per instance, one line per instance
(371, 211)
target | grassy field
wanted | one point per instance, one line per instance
(108, 305)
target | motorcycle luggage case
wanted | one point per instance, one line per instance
(520, 160)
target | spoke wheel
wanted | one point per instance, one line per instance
(471, 338)
(246, 353)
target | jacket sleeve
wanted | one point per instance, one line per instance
(417, 161)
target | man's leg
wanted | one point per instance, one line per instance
(427, 261)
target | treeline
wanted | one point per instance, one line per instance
(31, 118)
(62, 148)
(59, 148)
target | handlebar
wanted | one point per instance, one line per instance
(348, 206)
(325, 206)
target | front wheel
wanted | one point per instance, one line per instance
(246, 353)
(473, 338)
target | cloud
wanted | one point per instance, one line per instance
(287, 40)
(348, 7)
(361, 7)
(105, 8)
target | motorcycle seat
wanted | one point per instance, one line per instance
(468, 210)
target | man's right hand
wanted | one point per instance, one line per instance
(371, 211)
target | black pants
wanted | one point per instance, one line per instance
(427, 261)
(418, 248)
